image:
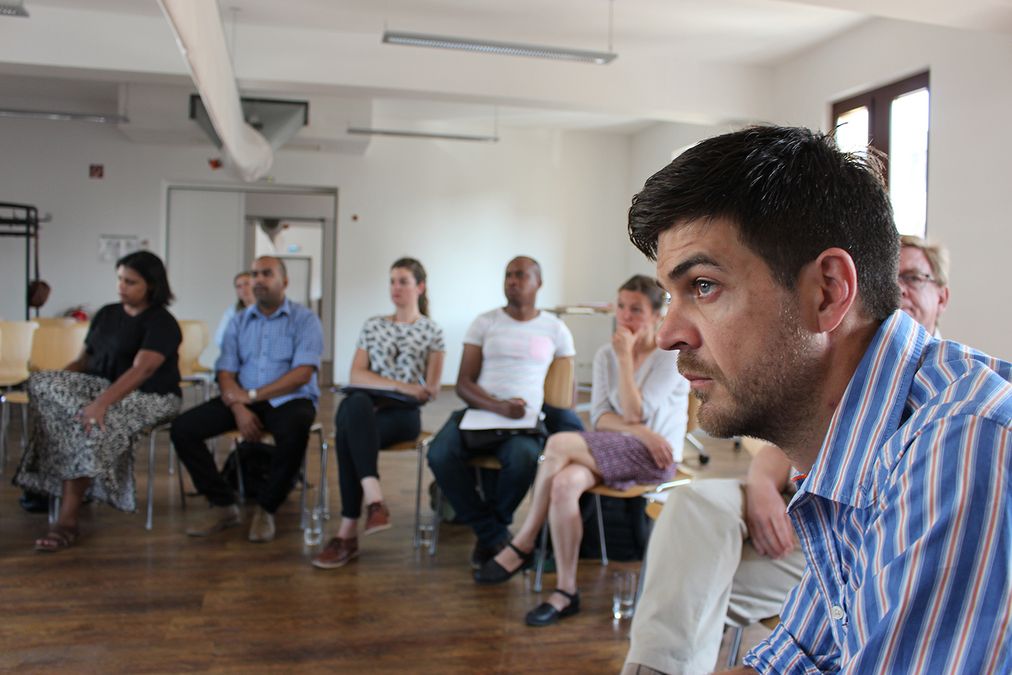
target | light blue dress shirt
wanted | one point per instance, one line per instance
(260, 349)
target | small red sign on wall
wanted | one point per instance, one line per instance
(96, 171)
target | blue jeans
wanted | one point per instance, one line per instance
(504, 489)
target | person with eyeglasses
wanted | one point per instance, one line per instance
(924, 281)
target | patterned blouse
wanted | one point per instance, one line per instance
(399, 351)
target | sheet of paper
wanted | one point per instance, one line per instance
(474, 420)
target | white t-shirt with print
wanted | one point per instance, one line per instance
(516, 355)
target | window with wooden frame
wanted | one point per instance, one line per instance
(894, 120)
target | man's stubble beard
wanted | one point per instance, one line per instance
(773, 396)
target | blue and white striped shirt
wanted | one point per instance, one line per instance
(906, 519)
(260, 349)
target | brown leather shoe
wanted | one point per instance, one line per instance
(337, 553)
(377, 518)
(262, 528)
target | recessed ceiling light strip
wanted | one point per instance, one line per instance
(502, 48)
(405, 133)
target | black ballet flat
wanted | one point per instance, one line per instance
(494, 573)
(545, 614)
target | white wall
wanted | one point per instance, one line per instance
(969, 173)
(653, 149)
(463, 209)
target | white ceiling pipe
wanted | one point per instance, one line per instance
(201, 39)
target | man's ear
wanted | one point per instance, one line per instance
(943, 300)
(827, 289)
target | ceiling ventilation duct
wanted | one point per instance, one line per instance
(278, 121)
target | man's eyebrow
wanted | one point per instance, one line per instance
(683, 267)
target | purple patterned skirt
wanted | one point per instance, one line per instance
(623, 460)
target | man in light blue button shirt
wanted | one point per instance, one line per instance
(267, 373)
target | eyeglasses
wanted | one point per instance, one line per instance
(915, 281)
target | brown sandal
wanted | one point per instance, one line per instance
(57, 539)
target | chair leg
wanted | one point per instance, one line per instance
(539, 569)
(436, 518)
(735, 647)
(54, 509)
(179, 475)
(3, 432)
(151, 478)
(323, 497)
(416, 540)
(238, 475)
(303, 502)
(600, 531)
(24, 428)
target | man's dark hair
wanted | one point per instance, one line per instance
(792, 194)
(151, 269)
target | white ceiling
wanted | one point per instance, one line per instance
(692, 60)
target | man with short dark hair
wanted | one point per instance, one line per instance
(507, 353)
(780, 255)
(267, 374)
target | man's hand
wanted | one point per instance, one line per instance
(234, 396)
(658, 446)
(769, 527)
(250, 427)
(514, 408)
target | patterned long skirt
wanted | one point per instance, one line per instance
(59, 449)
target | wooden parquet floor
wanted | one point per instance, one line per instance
(132, 601)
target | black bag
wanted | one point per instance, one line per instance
(485, 440)
(626, 527)
(255, 460)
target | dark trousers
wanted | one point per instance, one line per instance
(361, 430)
(504, 489)
(289, 423)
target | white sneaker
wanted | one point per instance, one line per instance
(262, 528)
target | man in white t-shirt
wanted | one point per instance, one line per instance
(507, 353)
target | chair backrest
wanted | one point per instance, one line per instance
(55, 345)
(559, 383)
(195, 339)
(693, 421)
(16, 350)
(55, 321)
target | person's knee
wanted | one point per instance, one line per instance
(353, 407)
(566, 487)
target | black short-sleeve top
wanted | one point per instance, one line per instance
(115, 337)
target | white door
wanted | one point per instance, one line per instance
(204, 250)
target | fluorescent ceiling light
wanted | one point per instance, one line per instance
(13, 8)
(57, 116)
(504, 48)
(405, 133)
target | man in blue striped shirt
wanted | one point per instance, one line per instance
(267, 374)
(780, 255)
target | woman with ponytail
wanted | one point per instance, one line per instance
(402, 352)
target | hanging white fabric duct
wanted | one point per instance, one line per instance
(201, 39)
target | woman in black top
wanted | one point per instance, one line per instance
(83, 419)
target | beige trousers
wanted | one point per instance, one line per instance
(701, 573)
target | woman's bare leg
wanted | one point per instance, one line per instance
(561, 451)
(566, 524)
(73, 497)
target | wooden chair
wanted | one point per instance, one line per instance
(321, 500)
(692, 425)
(196, 336)
(15, 352)
(559, 393)
(682, 476)
(420, 445)
(734, 649)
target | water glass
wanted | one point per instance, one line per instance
(313, 534)
(623, 599)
